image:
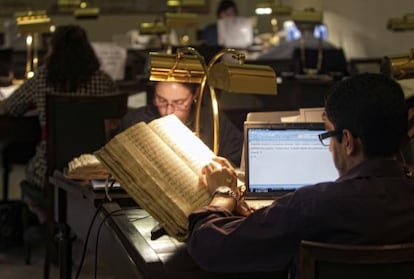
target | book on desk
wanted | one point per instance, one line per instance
(159, 165)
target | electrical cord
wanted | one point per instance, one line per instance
(97, 239)
(99, 232)
(85, 245)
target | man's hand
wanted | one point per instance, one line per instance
(219, 173)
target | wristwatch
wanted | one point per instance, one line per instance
(226, 191)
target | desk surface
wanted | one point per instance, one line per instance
(129, 233)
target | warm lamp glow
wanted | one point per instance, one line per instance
(189, 66)
(175, 68)
(150, 28)
(186, 3)
(32, 22)
(267, 8)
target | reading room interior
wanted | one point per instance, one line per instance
(110, 112)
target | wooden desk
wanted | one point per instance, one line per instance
(125, 244)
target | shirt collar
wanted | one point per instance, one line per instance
(377, 168)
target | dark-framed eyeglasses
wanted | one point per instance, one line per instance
(176, 105)
(325, 138)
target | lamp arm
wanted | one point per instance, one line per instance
(319, 60)
(214, 103)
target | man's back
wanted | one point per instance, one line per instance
(372, 204)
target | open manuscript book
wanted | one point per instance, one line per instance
(159, 165)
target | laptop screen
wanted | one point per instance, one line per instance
(286, 156)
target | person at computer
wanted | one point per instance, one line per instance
(370, 203)
(225, 9)
(180, 99)
(71, 67)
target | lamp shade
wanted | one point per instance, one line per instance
(86, 13)
(267, 7)
(243, 78)
(152, 28)
(399, 67)
(168, 67)
(33, 22)
(307, 19)
(185, 3)
(401, 24)
(181, 20)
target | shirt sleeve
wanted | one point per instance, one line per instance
(23, 99)
(265, 241)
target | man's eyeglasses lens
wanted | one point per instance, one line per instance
(325, 138)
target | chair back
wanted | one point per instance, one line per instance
(76, 125)
(323, 261)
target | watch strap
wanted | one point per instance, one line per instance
(226, 191)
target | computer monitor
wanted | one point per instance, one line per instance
(235, 32)
(283, 157)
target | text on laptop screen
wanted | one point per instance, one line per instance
(286, 159)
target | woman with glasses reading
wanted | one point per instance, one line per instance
(179, 99)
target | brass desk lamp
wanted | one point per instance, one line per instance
(172, 21)
(183, 21)
(401, 23)
(399, 67)
(306, 21)
(187, 65)
(186, 3)
(30, 24)
(86, 12)
(153, 28)
(276, 10)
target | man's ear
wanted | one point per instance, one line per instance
(350, 142)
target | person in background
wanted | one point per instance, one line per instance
(370, 203)
(179, 99)
(71, 68)
(226, 8)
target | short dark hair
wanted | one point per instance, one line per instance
(372, 108)
(224, 5)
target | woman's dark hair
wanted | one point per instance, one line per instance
(372, 108)
(224, 5)
(71, 60)
(193, 87)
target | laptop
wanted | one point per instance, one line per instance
(282, 157)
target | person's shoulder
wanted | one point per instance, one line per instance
(319, 191)
(146, 113)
